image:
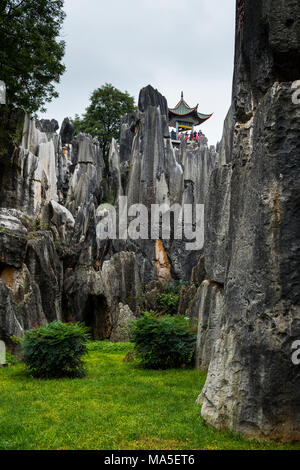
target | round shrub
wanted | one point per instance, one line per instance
(163, 342)
(56, 350)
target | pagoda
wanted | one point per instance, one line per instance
(185, 118)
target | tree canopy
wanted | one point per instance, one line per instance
(102, 116)
(31, 51)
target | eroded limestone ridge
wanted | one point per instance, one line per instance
(250, 306)
(52, 263)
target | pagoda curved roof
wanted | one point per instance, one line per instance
(182, 109)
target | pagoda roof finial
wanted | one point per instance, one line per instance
(186, 116)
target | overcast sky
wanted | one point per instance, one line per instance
(175, 46)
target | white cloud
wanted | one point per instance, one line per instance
(171, 44)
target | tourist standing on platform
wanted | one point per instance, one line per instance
(188, 118)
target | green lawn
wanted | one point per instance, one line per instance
(116, 406)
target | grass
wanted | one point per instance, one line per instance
(116, 406)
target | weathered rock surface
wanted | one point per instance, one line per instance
(12, 248)
(46, 270)
(153, 172)
(186, 300)
(66, 132)
(253, 225)
(94, 296)
(151, 97)
(225, 146)
(198, 272)
(217, 215)
(210, 302)
(20, 302)
(34, 179)
(85, 182)
(62, 219)
(53, 187)
(121, 331)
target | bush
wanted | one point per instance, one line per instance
(163, 342)
(11, 359)
(56, 350)
(168, 303)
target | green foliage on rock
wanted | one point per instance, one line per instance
(56, 350)
(31, 51)
(163, 342)
(11, 127)
(176, 287)
(161, 297)
(168, 300)
(167, 303)
(102, 116)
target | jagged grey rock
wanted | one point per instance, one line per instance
(12, 247)
(47, 126)
(46, 270)
(66, 132)
(115, 169)
(252, 385)
(217, 215)
(153, 172)
(55, 184)
(227, 139)
(210, 303)
(20, 303)
(63, 220)
(151, 97)
(198, 272)
(94, 296)
(186, 296)
(85, 185)
(11, 221)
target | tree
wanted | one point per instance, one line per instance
(102, 116)
(30, 51)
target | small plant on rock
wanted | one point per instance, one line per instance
(56, 350)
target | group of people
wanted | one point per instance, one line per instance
(191, 137)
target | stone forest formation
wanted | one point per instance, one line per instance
(244, 284)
